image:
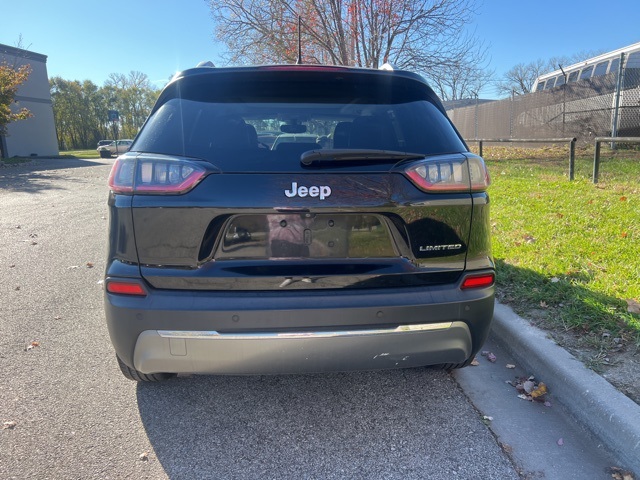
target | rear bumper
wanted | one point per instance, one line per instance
(295, 352)
(285, 332)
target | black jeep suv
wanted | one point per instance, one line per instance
(358, 238)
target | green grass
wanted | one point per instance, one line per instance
(64, 154)
(81, 153)
(567, 253)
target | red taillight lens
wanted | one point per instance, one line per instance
(143, 174)
(126, 288)
(450, 174)
(478, 281)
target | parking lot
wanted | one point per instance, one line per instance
(67, 411)
(77, 417)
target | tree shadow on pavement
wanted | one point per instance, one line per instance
(39, 175)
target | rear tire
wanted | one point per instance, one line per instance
(136, 376)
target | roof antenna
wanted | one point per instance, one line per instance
(299, 62)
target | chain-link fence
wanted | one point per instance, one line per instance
(584, 109)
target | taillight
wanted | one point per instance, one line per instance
(478, 281)
(145, 174)
(126, 288)
(450, 174)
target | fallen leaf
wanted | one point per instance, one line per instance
(491, 357)
(506, 447)
(633, 306)
(31, 346)
(524, 397)
(485, 353)
(543, 304)
(623, 199)
(57, 317)
(619, 474)
(475, 362)
(529, 386)
(560, 442)
(9, 425)
(624, 234)
(89, 265)
(540, 391)
(144, 456)
(555, 280)
(547, 403)
(510, 366)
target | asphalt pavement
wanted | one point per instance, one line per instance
(67, 412)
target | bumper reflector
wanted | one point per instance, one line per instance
(478, 281)
(126, 288)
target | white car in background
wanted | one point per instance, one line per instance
(115, 148)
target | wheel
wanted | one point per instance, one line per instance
(105, 154)
(135, 375)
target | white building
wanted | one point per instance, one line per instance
(35, 136)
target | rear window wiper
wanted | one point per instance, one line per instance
(355, 155)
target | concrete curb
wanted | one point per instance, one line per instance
(609, 415)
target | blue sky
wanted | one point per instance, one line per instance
(90, 40)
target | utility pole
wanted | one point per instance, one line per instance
(475, 126)
(564, 97)
(616, 110)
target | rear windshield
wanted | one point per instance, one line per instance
(240, 126)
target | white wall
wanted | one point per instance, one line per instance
(36, 135)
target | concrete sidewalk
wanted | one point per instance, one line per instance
(608, 414)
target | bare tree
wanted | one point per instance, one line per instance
(421, 35)
(463, 81)
(521, 78)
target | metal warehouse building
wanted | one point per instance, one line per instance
(36, 135)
